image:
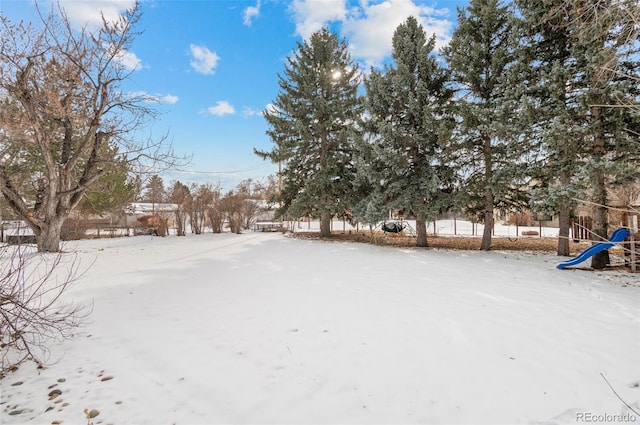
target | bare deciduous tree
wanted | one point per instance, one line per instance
(251, 209)
(265, 189)
(239, 209)
(215, 212)
(251, 193)
(32, 312)
(197, 204)
(179, 195)
(233, 206)
(63, 116)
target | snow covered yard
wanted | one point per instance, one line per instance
(261, 328)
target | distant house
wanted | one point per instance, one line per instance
(16, 232)
(135, 210)
(266, 211)
(625, 202)
(149, 208)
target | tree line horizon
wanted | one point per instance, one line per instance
(532, 105)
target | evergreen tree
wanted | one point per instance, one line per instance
(611, 151)
(313, 124)
(114, 190)
(406, 105)
(154, 191)
(555, 115)
(487, 147)
(584, 56)
(109, 195)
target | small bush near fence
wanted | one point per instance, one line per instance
(74, 229)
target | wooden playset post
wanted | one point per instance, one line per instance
(633, 222)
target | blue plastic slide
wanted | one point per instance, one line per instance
(617, 236)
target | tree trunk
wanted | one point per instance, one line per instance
(48, 237)
(601, 259)
(600, 220)
(421, 230)
(488, 194)
(325, 224)
(181, 222)
(564, 218)
(488, 222)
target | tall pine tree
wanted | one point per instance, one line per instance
(598, 31)
(584, 78)
(407, 120)
(313, 125)
(555, 117)
(486, 148)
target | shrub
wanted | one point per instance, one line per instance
(32, 312)
(74, 229)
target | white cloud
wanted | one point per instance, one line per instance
(222, 108)
(129, 60)
(90, 13)
(369, 25)
(250, 13)
(125, 58)
(250, 112)
(204, 60)
(168, 99)
(311, 15)
(371, 29)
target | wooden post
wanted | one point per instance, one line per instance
(572, 233)
(540, 227)
(632, 238)
(455, 233)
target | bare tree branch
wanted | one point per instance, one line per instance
(64, 116)
(32, 311)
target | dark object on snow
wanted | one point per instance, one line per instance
(21, 239)
(393, 227)
(145, 231)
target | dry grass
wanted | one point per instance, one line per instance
(526, 243)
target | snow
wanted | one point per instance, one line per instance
(448, 227)
(264, 328)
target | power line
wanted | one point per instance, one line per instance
(256, 167)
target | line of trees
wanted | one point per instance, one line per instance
(204, 205)
(533, 104)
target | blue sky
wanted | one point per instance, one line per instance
(214, 64)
